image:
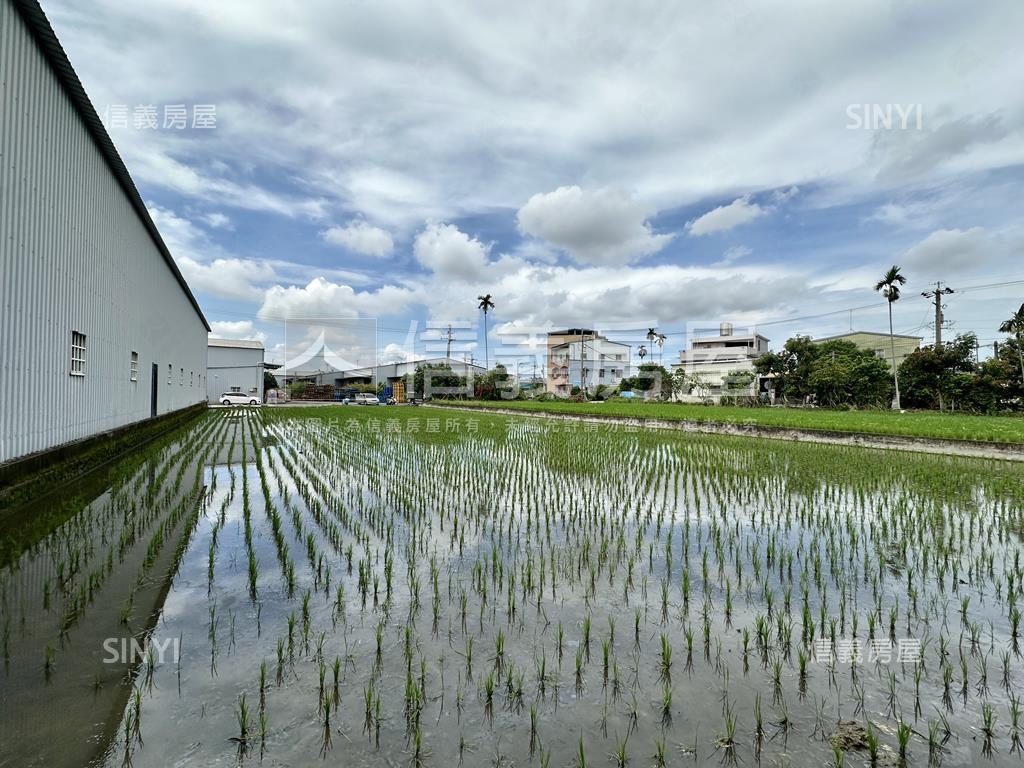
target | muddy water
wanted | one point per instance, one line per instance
(96, 581)
(473, 660)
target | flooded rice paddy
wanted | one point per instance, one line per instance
(410, 586)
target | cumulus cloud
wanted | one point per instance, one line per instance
(321, 298)
(396, 353)
(361, 237)
(236, 329)
(604, 226)
(544, 296)
(449, 252)
(725, 217)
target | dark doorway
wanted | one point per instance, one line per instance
(152, 389)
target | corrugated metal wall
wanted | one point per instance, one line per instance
(229, 367)
(74, 256)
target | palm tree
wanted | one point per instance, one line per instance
(486, 305)
(642, 352)
(889, 285)
(660, 340)
(1015, 325)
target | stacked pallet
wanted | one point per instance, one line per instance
(315, 392)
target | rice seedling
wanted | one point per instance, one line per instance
(988, 728)
(660, 761)
(873, 745)
(243, 719)
(759, 556)
(903, 732)
(488, 696)
(619, 757)
(665, 660)
(1016, 744)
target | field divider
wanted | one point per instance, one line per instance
(941, 446)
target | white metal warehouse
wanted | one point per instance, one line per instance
(100, 329)
(234, 365)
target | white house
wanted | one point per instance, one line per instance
(710, 361)
(588, 363)
(100, 329)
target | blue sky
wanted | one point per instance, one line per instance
(604, 164)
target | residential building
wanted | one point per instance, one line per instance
(711, 360)
(879, 343)
(234, 365)
(579, 357)
(100, 329)
(556, 366)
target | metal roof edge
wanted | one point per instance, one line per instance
(867, 333)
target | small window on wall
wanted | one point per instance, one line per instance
(181, 377)
(169, 369)
(77, 354)
(191, 378)
(133, 373)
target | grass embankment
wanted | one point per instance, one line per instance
(946, 426)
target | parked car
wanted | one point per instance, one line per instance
(238, 398)
(365, 398)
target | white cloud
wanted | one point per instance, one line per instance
(449, 252)
(953, 250)
(733, 255)
(912, 154)
(539, 295)
(205, 266)
(361, 237)
(218, 220)
(605, 226)
(726, 217)
(232, 278)
(321, 298)
(235, 329)
(396, 353)
(443, 114)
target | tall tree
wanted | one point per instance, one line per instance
(1015, 325)
(486, 305)
(889, 285)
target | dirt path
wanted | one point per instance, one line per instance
(981, 450)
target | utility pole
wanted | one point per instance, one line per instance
(937, 295)
(448, 338)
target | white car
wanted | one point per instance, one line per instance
(238, 398)
(365, 398)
